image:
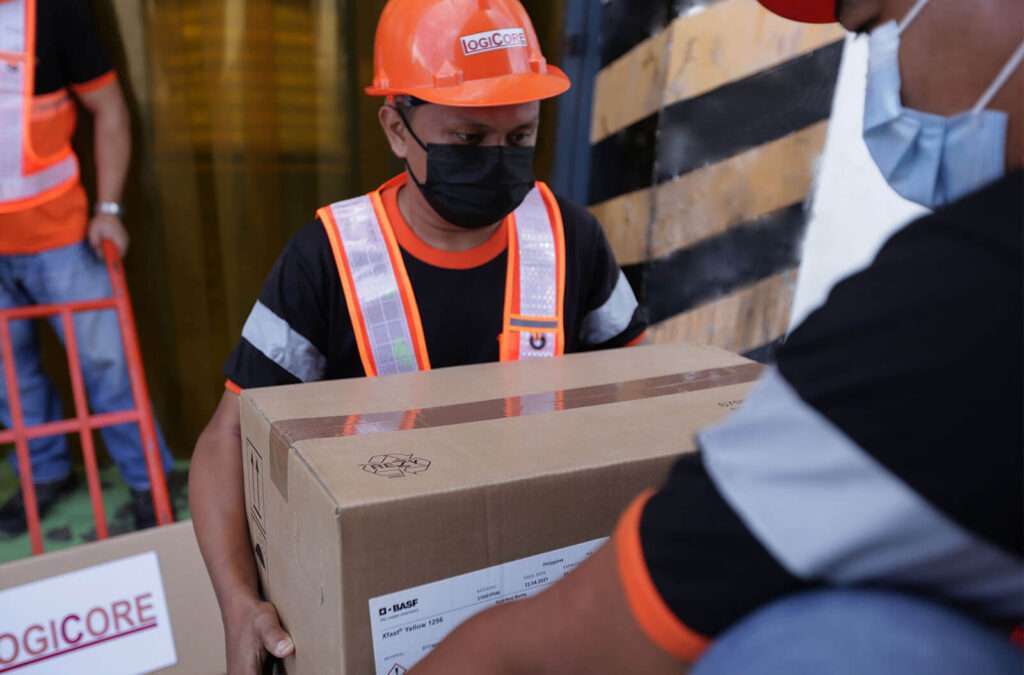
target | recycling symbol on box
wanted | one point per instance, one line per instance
(394, 465)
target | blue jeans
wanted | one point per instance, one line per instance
(860, 632)
(60, 275)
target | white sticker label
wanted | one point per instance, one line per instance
(111, 619)
(408, 624)
(493, 40)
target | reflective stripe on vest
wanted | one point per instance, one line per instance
(537, 260)
(25, 179)
(382, 306)
(376, 287)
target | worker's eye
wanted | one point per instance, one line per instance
(521, 138)
(468, 138)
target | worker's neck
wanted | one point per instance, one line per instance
(435, 230)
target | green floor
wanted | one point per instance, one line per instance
(71, 523)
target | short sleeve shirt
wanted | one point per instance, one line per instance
(68, 49)
(460, 297)
(884, 450)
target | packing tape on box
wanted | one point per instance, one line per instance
(288, 432)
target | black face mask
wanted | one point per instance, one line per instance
(474, 186)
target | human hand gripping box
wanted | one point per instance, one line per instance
(384, 512)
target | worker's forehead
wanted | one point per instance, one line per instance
(508, 116)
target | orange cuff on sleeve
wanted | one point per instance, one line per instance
(95, 84)
(655, 618)
(638, 340)
(233, 388)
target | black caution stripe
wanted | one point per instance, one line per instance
(697, 132)
(766, 353)
(627, 23)
(717, 267)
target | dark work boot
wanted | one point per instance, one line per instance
(143, 511)
(13, 520)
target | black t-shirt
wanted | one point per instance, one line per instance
(300, 329)
(885, 450)
(68, 50)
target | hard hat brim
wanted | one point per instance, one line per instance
(805, 11)
(490, 92)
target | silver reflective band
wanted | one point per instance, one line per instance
(12, 27)
(275, 339)
(376, 286)
(538, 287)
(613, 317)
(33, 184)
(538, 325)
(826, 509)
(538, 274)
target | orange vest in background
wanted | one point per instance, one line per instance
(37, 162)
(382, 305)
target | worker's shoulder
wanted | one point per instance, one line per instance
(573, 214)
(580, 223)
(310, 246)
(65, 12)
(987, 221)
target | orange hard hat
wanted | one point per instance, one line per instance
(807, 11)
(464, 53)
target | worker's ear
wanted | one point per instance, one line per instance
(394, 128)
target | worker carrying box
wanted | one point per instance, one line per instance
(463, 258)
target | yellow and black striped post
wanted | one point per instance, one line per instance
(708, 117)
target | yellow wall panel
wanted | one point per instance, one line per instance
(721, 43)
(739, 322)
(631, 88)
(626, 221)
(707, 202)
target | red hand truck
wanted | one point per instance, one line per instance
(84, 423)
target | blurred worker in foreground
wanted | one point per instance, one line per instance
(50, 247)
(862, 513)
(463, 258)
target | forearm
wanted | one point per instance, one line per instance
(581, 626)
(218, 513)
(113, 149)
(483, 644)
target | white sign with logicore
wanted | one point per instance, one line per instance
(111, 619)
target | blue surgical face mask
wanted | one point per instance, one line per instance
(930, 159)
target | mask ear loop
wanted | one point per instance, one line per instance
(405, 121)
(1001, 79)
(416, 137)
(912, 15)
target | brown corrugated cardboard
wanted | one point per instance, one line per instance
(190, 603)
(359, 489)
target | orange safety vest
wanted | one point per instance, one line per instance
(26, 178)
(381, 303)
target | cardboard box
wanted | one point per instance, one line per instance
(136, 603)
(362, 495)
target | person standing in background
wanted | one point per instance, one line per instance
(50, 243)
